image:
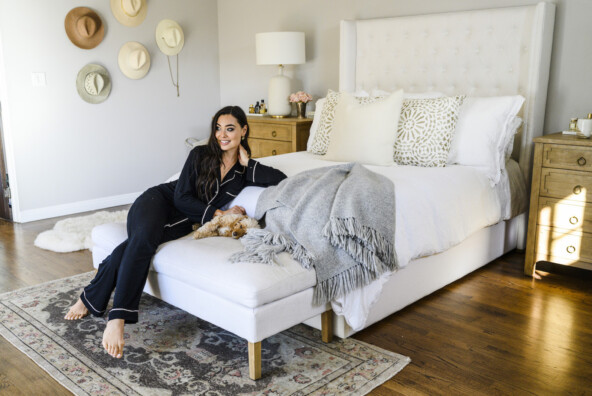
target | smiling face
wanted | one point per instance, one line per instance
(229, 132)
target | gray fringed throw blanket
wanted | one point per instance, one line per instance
(339, 219)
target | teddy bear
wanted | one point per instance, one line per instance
(229, 225)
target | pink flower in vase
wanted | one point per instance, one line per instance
(300, 97)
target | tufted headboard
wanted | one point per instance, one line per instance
(502, 51)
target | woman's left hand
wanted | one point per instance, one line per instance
(243, 156)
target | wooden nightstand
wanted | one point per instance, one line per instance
(560, 219)
(273, 136)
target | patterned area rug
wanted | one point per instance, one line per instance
(170, 352)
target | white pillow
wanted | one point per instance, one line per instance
(483, 131)
(247, 198)
(365, 133)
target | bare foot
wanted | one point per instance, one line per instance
(77, 311)
(113, 338)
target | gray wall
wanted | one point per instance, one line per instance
(243, 82)
(65, 155)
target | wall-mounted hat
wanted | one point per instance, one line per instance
(134, 60)
(84, 27)
(169, 37)
(129, 12)
(93, 83)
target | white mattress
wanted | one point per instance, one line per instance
(436, 208)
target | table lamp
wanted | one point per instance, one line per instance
(279, 48)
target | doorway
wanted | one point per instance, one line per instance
(5, 204)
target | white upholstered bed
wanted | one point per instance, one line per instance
(477, 53)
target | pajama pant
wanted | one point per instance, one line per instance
(126, 269)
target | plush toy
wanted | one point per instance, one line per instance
(230, 225)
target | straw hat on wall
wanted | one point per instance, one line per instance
(129, 12)
(84, 27)
(93, 83)
(169, 37)
(134, 60)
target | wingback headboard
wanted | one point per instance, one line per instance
(502, 51)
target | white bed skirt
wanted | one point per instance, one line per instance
(425, 275)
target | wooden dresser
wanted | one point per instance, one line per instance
(273, 136)
(560, 218)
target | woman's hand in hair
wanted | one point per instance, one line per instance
(234, 210)
(243, 156)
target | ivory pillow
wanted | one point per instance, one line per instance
(322, 133)
(425, 131)
(365, 133)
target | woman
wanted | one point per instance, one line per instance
(211, 177)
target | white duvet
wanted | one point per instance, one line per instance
(435, 209)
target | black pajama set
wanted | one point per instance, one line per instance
(161, 214)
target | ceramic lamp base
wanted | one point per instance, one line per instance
(279, 91)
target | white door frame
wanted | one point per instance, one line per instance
(8, 147)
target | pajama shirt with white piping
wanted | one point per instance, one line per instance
(161, 214)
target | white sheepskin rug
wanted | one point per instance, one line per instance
(72, 234)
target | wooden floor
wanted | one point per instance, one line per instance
(492, 332)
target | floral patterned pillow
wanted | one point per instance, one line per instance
(426, 127)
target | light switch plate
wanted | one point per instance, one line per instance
(38, 79)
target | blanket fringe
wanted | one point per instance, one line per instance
(338, 286)
(362, 243)
(263, 246)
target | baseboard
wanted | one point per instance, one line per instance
(74, 207)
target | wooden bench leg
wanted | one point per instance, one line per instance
(255, 360)
(327, 326)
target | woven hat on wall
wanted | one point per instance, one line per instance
(84, 27)
(134, 60)
(129, 12)
(93, 83)
(169, 37)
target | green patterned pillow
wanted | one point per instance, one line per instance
(426, 127)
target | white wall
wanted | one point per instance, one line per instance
(66, 155)
(243, 82)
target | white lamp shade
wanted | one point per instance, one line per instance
(280, 48)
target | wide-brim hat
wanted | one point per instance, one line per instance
(129, 12)
(133, 60)
(93, 83)
(84, 27)
(169, 37)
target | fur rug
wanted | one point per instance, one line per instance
(72, 234)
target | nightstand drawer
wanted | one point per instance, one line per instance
(566, 215)
(567, 157)
(271, 131)
(266, 148)
(564, 184)
(573, 245)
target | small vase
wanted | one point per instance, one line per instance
(301, 110)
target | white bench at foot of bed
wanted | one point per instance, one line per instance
(253, 301)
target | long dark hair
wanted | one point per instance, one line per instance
(209, 163)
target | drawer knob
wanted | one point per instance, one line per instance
(571, 249)
(581, 161)
(273, 152)
(577, 189)
(274, 134)
(573, 220)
